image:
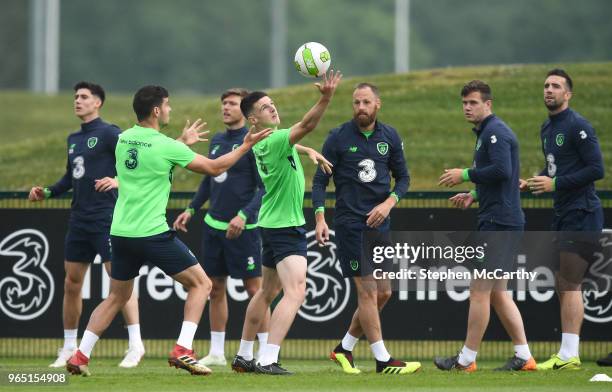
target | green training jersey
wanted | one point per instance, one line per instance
(281, 172)
(145, 161)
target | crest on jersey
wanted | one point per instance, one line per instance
(382, 148)
(559, 139)
(92, 141)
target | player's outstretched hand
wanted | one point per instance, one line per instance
(106, 184)
(253, 137)
(331, 80)
(181, 221)
(192, 133)
(462, 200)
(36, 194)
(319, 159)
(451, 177)
(540, 184)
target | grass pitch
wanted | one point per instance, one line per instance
(310, 375)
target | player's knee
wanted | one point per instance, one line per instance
(217, 292)
(479, 296)
(383, 297)
(295, 294)
(72, 286)
(269, 294)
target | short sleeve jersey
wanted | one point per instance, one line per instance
(145, 161)
(282, 174)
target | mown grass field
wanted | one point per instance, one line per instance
(319, 375)
(424, 106)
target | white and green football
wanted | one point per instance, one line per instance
(312, 59)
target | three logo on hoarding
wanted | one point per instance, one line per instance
(28, 290)
(327, 291)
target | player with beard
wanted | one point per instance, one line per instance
(573, 164)
(365, 154)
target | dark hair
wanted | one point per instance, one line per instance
(247, 103)
(480, 86)
(241, 92)
(371, 86)
(563, 74)
(95, 89)
(146, 99)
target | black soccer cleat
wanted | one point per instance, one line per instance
(452, 363)
(241, 365)
(273, 369)
(517, 364)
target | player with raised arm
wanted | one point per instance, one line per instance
(146, 159)
(365, 153)
(90, 173)
(231, 244)
(281, 219)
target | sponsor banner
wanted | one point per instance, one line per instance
(32, 276)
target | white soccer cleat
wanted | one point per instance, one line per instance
(63, 355)
(132, 357)
(213, 360)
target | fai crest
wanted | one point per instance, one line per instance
(382, 148)
(92, 141)
(559, 139)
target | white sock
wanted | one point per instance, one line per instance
(467, 356)
(569, 346)
(70, 339)
(217, 343)
(522, 351)
(349, 342)
(263, 340)
(246, 349)
(269, 355)
(188, 331)
(380, 351)
(134, 335)
(88, 341)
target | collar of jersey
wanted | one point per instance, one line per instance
(483, 124)
(359, 131)
(96, 122)
(561, 115)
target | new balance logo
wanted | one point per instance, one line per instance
(353, 149)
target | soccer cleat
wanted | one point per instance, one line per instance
(393, 366)
(605, 361)
(78, 364)
(182, 358)
(452, 363)
(63, 355)
(241, 365)
(132, 358)
(344, 359)
(556, 363)
(273, 369)
(517, 364)
(213, 360)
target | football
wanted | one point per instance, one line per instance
(312, 59)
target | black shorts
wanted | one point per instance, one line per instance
(355, 248)
(240, 258)
(282, 242)
(501, 246)
(163, 250)
(579, 232)
(82, 245)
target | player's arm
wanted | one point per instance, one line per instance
(316, 158)
(311, 119)
(589, 151)
(214, 167)
(108, 183)
(500, 168)
(319, 186)
(238, 223)
(64, 184)
(201, 196)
